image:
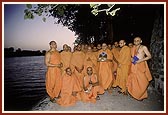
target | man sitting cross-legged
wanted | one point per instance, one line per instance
(91, 87)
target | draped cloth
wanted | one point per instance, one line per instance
(53, 76)
(90, 60)
(77, 61)
(105, 70)
(65, 59)
(69, 85)
(115, 53)
(138, 79)
(94, 90)
(124, 60)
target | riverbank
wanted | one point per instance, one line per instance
(109, 103)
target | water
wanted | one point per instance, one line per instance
(24, 82)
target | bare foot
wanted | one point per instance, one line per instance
(52, 100)
(109, 91)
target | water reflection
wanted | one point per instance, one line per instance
(24, 82)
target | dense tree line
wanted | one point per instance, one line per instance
(93, 26)
(9, 52)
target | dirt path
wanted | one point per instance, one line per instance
(109, 103)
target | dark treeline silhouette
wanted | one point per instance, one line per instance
(9, 52)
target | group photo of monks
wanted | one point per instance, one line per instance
(84, 72)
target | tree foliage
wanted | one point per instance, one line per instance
(88, 21)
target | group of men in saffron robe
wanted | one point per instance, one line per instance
(88, 71)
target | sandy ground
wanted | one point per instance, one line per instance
(114, 102)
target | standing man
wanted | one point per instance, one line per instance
(53, 74)
(90, 60)
(77, 64)
(124, 62)
(65, 57)
(130, 45)
(105, 67)
(99, 47)
(140, 75)
(115, 52)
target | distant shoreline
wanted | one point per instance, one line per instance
(9, 52)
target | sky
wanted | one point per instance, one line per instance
(32, 34)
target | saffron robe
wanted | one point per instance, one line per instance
(124, 60)
(97, 66)
(65, 59)
(138, 79)
(115, 53)
(53, 76)
(94, 90)
(105, 75)
(69, 85)
(90, 60)
(77, 61)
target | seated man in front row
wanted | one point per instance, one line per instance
(70, 89)
(91, 87)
